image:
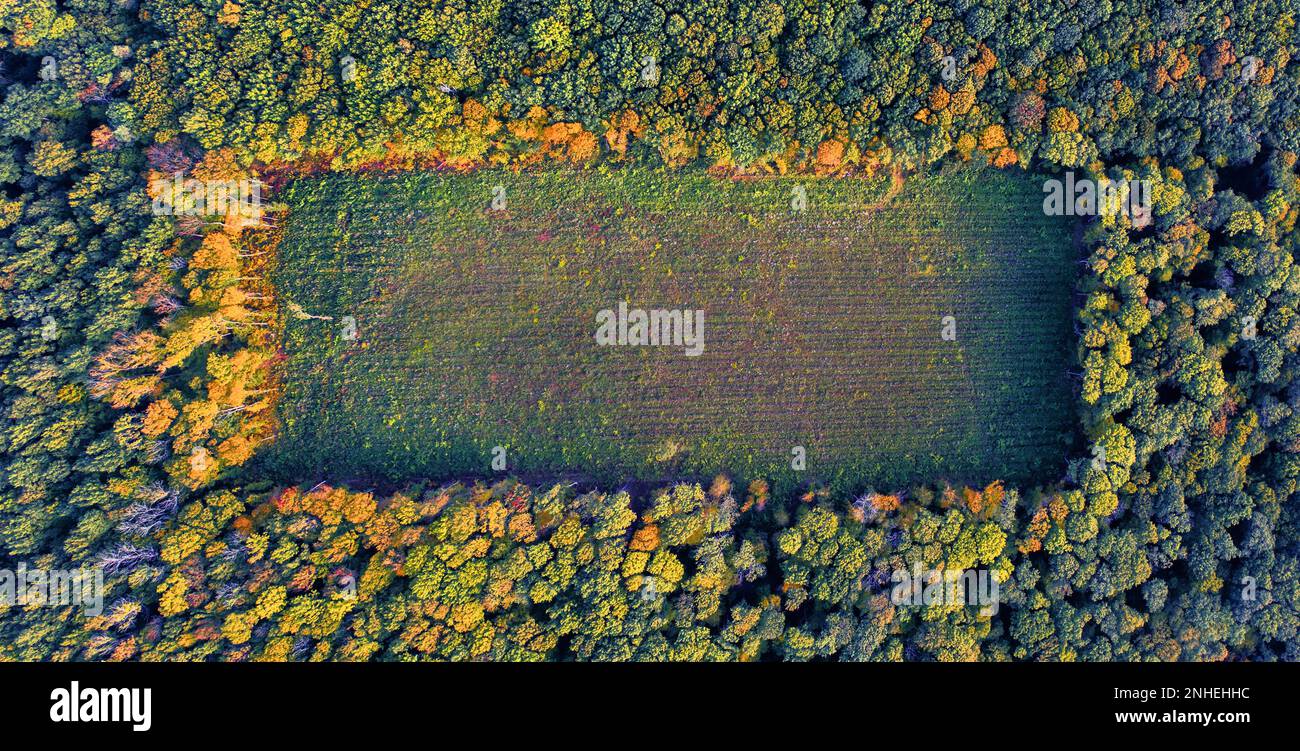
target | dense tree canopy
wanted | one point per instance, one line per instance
(138, 350)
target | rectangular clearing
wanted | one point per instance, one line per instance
(823, 328)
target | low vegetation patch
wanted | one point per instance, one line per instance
(434, 323)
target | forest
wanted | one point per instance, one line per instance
(144, 330)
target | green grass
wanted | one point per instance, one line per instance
(822, 328)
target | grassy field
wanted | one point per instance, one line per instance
(475, 327)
